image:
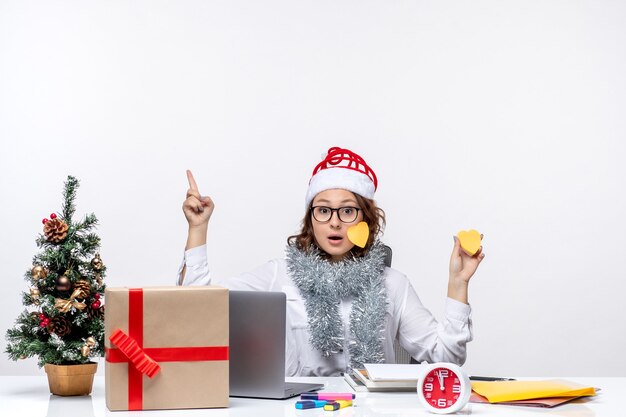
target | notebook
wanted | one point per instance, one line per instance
(379, 372)
(387, 385)
(257, 346)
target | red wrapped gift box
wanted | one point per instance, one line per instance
(166, 348)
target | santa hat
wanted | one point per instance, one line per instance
(343, 169)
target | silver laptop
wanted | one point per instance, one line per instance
(257, 347)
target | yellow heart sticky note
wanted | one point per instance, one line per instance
(470, 241)
(359, 234)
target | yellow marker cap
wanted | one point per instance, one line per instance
(337, 404)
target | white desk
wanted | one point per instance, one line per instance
(22, 396)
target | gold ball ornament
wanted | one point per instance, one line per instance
(90, 341)
(63, 284)
(22, 357)
(96, 262)
(85, 350)
(38, 272)
(35, 293)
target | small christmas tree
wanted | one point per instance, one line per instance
(64, 320)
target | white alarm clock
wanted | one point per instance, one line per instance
(443, 388)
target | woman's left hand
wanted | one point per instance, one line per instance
(462, 268)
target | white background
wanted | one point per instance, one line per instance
(503, 116)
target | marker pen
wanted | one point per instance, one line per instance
(489, 378)
(303, 405)
(329, 396)
(336, 405)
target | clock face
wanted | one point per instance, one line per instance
(442, 388)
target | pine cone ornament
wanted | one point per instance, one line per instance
(60, 326)
(84, 287)
(55, 230)
(95, 313)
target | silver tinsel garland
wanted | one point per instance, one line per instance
(323, 284)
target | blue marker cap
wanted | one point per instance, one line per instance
(303, 405)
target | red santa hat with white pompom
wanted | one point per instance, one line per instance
(342, 169)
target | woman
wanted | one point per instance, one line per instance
(344, 306)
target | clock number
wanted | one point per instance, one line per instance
(441, 402)
(443, 373)
(456, 389)
(428, 387)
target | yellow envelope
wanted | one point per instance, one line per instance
(499, 391)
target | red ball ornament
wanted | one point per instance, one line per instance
(95, 305)
(44, 221)
(42, 316)
(96, 296)
(44, 322)
(53, 216)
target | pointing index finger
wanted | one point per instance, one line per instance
(192, 182)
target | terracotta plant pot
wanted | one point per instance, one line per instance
(69, 380)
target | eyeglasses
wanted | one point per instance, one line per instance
(346, 214)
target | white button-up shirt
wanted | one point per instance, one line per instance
(407, 320)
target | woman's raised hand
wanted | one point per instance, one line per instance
(462, 265)
(197, 209)
(462, 268)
